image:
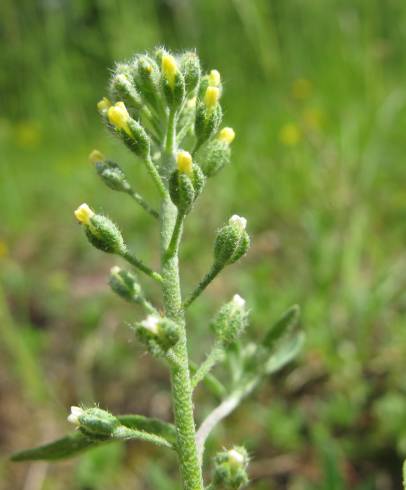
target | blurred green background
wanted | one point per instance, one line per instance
(316, 93)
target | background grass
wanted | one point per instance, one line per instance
(316, 93)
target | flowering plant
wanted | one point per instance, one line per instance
(168, 113)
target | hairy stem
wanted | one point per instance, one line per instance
(216, 268)
(221, 412)
(129, 257)
(215, 355)
(190, 465)
(125, 434)
(176, 234)
(141, 201)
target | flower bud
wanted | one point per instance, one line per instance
(173, 82)
(125, 284)
(214, 78)
(94, 422)
(190, 68)
(232, 241)
(122, 88)
(139, 143)
(146, 78)
(207, 121)
(159, 334)
(103, 105)
(217, 153)
(118, 117)
(185, 183)
(230, 471)
(231, 321)
(110, 172)
(101, 232)
(211, 97)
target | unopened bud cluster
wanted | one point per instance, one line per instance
(230, 471)
(231, 321)
(159, 334)
(125, 284)
(232, 241)
(93, 422)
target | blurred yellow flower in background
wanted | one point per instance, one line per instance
(313, 118)
(290, 134)
(28, 134)
(4, 250)
(301, 88)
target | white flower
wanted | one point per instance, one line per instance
(238, 221)
(75, 413)
(151, 323)
(236, 458)
(238, 301)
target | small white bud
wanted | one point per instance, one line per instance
(238, 301)
(75, 413)
(238, 220)
(236, 458)
(151, 323)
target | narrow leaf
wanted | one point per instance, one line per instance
(66, 447)
(77, 442)
(287, 351)
(283, 325)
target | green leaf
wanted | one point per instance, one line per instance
(287, 351)
(281, 327)
(404, 475)
(61, 448)
(75, 443)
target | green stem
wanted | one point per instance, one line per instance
(176, 235)
(170, 143)
(141, 201)
(153, 172)
(141, 266)
(215, 269)
(215, 355)
(212, 383)
(123, 433)
(190, 465)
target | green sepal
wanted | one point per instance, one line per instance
(229, 474)
(145, 74)
(125, 284)
(159, 343)
(190, 68)
(207, 122)
(174, 95)
(230, 322)
(98, 423)
(217, 155)
(231, 244)
(112, 175)
(122, 88)
(184, 189)
(103, 234)
(77, 442)
(139, 142)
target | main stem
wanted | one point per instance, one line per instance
(190, 465)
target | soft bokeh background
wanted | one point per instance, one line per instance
(316, 93)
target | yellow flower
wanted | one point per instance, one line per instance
(103, 105)
(118, 116)
(28, 134)
(184, 162)
(214, 78)
(290, 134)
(169, 68)
(96, 156)
(3, 249)
(227, 135)
(83, 214)
(301, 88)
(211, 97)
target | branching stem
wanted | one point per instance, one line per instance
(215, 269)
(141, 201)
(214, 356)
(129, 257)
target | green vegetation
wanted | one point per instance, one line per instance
(318, 163)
